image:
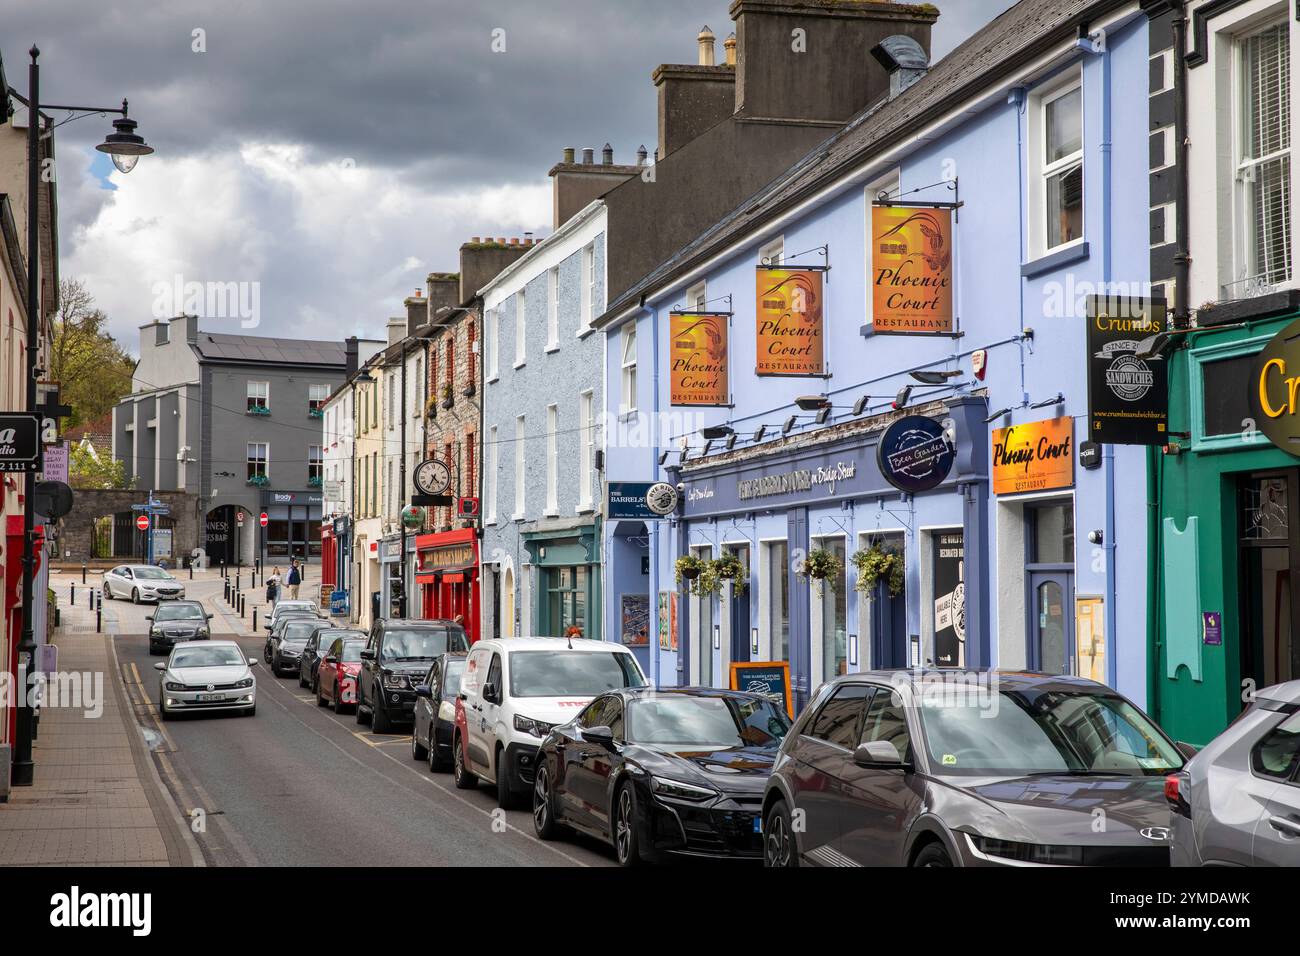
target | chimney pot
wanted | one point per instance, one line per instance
(729, 45)
(501, 240)
(641, 155)
(607, 155)
(705, 40)
(514, 240)
(568, 154)
(588, 155)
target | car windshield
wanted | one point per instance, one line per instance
(180, 612)
(151, 574)
(1027, 732)
(297, 632)
(208, 656)
(706, 722)
(571, 673)
(422, 643)
(451, 676)
(352, 651)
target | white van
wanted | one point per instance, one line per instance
(514, 690)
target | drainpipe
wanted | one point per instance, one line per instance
(654, 465)
(1182, 254)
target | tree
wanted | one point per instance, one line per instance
(88, 469)
(92, 369)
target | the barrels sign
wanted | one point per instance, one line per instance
(789, 322)
(697, 352)
(1275, 390)
(20, 441)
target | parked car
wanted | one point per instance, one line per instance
(176, 622)
(649, 771)
(952, 768)
(336, 683)
(317, 646)
(141, 582)
(435, 711)
(207, 676)
(514, 691)
(288, 643)
(284, 608)
(397, 655)
(1237, 802)
(273, 639)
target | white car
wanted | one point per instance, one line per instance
(141, 582)
(206, 676)
(514, 690)
(287, 607)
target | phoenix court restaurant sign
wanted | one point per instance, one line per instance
(1275, 389)
(911, 268)
(1036, 456)
(789, 322)
(1128, 396)
(698, 358)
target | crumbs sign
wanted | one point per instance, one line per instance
(911, 268)
(697, 353)
(1128, 396)
(789, 322)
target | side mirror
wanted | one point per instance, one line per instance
(331, 659)
(878, 754)
(423, 690)
(490, 692)
(210, 617)
(148, 617)
(367, 654)
(252, 662)
(599, 735)
(160, 666)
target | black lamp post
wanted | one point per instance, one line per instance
(126, 147)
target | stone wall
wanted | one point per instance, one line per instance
(76, 536)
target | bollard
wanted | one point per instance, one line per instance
(83, 572)
(72, 594)
(57, 618)
(241, 606)
(99, 620)
(225, 591)
(238, 585)
(191, 570)
(254, 620)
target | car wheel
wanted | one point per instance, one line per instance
(363, 717)
(627, 847)
(779, 848)
(460, 773)
(505, 796)
(163, 712)
(379, 721)
(543, 815)
(301, 681)
(418, 750)
(108, 595)
(320, 698)
(933, 855)
(135, 595)
(337, 701)
(437, 764)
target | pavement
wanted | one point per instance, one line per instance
(293, 785)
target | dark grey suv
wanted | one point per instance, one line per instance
(395, 660)
(958, 768)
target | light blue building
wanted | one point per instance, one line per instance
(1033, 135)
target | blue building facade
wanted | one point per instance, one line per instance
(1033, 136)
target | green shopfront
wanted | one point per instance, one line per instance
(1226, 530)
(567, 591)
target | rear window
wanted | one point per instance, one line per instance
(421, 643)
(571, 673)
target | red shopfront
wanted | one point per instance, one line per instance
(448, 577)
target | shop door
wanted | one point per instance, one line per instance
(1051, 625)
(888, 628)
(1270, 578)
(739, 616)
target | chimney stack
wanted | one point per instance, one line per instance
(350, 355)
(480, 263)
(705, 40)
(444, 292)
(417, 311)
(396, 330)
(574, 185)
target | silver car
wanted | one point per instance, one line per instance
(285, 608)
(141, 582)
(1237, 802)
(206, 676)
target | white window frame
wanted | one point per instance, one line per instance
(320, 461)
(627, 369)
(520, 470)
(248, 459)
(553, 309)
(697, 296)
(586, 450)
(494, 335)
(588, 293)
(772, 252)
(317, 389)
(1040, 171)
(521, 327)
(251, 390)
(552, 461)
(491, 509)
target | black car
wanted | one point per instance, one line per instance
(435, 711)
(396, 658)
(175, 622)
(651, 771)
(287, 643)
(314, 652)
(277, 629)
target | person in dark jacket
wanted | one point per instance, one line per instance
(295, 578)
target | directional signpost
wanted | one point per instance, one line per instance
(151, 509)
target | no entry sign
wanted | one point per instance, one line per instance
(262, 519)
(142, 522)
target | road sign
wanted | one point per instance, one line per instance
(239, 517)
(142, 522)
(262, 519)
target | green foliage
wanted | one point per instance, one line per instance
(93, 371)
(875, 564)
(820, 565)
(87, 469)
(729, 567)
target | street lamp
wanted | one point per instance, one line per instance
(126, 147)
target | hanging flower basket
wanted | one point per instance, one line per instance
(689, 567)
(729, 567)
(876, 564)
(820, 565)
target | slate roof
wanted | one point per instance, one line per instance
(1007, 43)
(223, 347)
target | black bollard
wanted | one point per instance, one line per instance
(254, 620)
(83, 572)
(191, 570)
(99, 620)
(72, 594)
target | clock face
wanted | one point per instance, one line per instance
(661, 498)
(432, 477)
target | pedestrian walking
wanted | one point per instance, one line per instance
(273, 587)
(295, 578)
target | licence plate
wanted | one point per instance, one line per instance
(758, 824)
(204, 698)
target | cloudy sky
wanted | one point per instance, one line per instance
(334, 152)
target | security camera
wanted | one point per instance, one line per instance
(1096, 537)
(681, 487)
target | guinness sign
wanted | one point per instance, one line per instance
(1275, 390)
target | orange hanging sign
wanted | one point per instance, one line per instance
(789, 322)
(1036, 456)
(911, 269)
(697, 350)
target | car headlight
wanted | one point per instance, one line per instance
(172, 685)
(155, 632)
(527, 725)
(246, 682)
(204, 632)
(681, 790)
(1041, 853)
(395, 681)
